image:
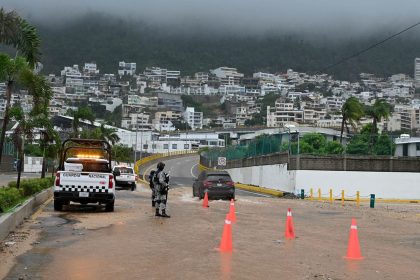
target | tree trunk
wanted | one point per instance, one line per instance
(21, 159)
(342, 130)
(44, 164)
(9, 89)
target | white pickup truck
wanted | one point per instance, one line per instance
(125, 177)
(84, 174)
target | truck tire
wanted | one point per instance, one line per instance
(58, 205)
(109, 207)
(133, 188)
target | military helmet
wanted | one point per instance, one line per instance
(160, 166)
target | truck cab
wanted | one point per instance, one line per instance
(85, 175)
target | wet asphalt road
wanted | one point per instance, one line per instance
(184, 170)
(131, 243)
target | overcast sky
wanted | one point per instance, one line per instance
(343, 16)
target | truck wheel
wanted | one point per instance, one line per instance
(133, 188)
(109, 207)
(58, 206)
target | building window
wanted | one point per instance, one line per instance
(153, 146)
(418, 146)
(166, 146)
(174, 146)
(186, 146)
(145, 146)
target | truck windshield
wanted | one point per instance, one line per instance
(86, 165)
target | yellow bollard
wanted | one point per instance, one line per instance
(311, 194)
(319, 194)
(358, 198)
(342, 198)
(331, 197)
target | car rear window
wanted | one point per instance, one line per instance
(219, 177)
(124, 170)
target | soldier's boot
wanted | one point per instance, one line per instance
(164, 214)
(157, 214)
(153, 203)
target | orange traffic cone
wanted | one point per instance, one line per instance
(232, 214)
(206, 200)
(290, 230)
(353, 250)
(226, 242)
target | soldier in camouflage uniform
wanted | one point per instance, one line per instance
(161, 190)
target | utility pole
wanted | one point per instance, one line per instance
(135, 146)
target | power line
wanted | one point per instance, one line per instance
(369, 48)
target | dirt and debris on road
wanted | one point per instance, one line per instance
(86, 243)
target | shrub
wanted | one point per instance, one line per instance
(9, 197)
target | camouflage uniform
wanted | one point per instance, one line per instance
(161, 191)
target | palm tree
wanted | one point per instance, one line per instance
(18, 33)
(23, 130)
(109, 134)
(11, 70)
(351, 113)
(380, 110)
(82, 113)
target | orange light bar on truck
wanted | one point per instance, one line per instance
(87, 156)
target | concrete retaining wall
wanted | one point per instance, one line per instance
(9, 221)
(387, 185)
(275, 176)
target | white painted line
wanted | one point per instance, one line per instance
(192, 174)
(260, 194)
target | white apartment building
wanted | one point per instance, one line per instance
(417, 72)
(313, 115)
(136, 121)
(126, 69)
(334, 103)
(283, 113)
(71, 72)
(227, 75)
(193, 118)
(202, 77)
(91, 69)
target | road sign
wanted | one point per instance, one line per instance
(221, 161)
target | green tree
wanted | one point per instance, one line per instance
(17, 73)
(82, 113)
(380, 110)
(351, 112)
(18, 33)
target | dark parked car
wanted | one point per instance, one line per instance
(218, 184)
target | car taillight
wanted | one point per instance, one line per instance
(207, 184)
(57, 179)
(230, 184)
(111, 181)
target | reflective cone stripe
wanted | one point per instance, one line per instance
(232, 214)
(206, 200)
(226, 242)
(290, 230)
(353, 249)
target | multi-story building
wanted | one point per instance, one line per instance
(283, 113)
(227, 75)
(90, 69)
(193, 118)
(126, 68)
(417, 72)
(136, 121)
(170, 102)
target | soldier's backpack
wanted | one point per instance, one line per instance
(151, 178)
